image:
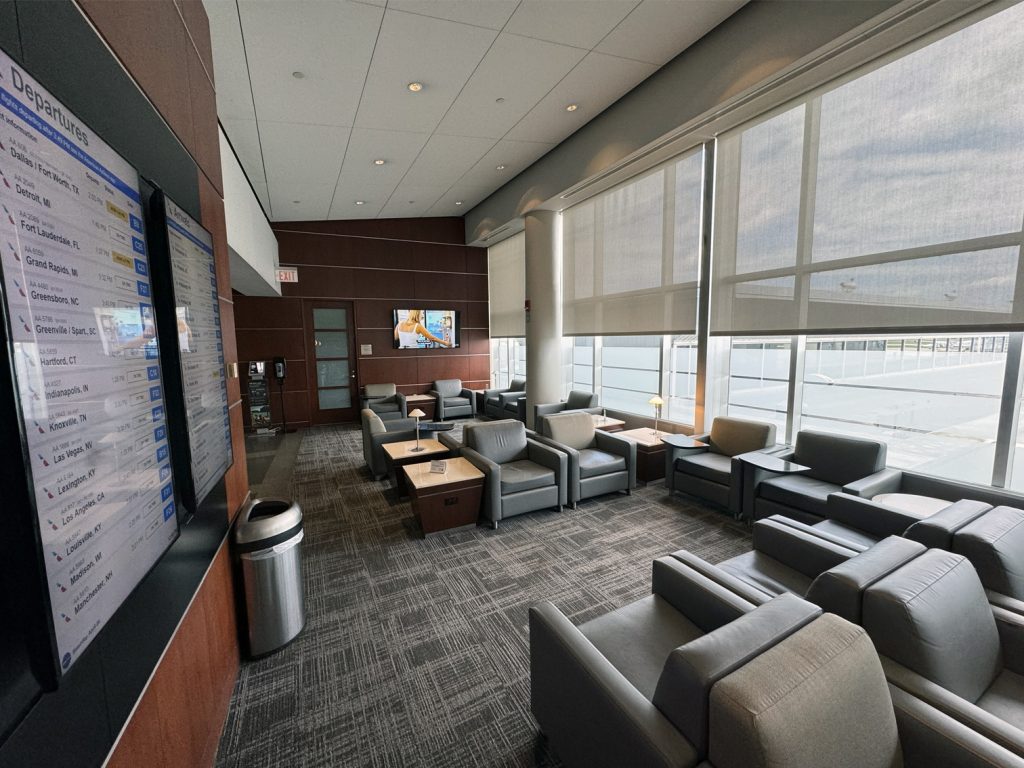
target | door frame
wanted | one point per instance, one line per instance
(333, 415)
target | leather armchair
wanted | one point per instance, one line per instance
(712, 473)
(453, 399)
(385, 401)
(376, 433)
(835, 461)
(497, 401)
(520, 474)
(599, 462)
(576, 401)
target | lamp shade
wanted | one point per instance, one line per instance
(416, 414)
(656, 401)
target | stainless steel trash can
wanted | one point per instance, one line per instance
(267, 537)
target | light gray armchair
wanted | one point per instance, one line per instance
(504, 403)
(599, 462)
(376, 433)
(453, 399)
(385, 400)
(576, 401)
(520, 474)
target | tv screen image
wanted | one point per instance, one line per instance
(426, 328)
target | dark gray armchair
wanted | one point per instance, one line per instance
(504, 403)
(520, 474)
(385, 400)
(599, 462)
(453, 399)
(576, 401)
(834, 461)
(712, 473)
(376, 433)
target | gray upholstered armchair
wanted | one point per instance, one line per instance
(377, 432)
(599, 462)
(385, 400)
(504, 403)
(576, 401)
(453, 399)
(520, 474)
(712, 473)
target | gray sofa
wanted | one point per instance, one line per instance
(599, 462)
(385, 400)
(376, 433)
(503, 403)
(835, 461)
(453, 399)
(520, 474)
(712, 473)
(577, 400)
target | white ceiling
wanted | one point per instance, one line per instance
(308, 144)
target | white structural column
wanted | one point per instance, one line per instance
(544, 320)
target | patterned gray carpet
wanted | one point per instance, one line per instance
(415, 652)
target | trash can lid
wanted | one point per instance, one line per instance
(264, 519)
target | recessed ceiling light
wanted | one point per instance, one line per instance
(458, 202)
(412, 202)
(499, 100)
(296, 201)
(572, 107)
(378, 161)
(415, 87)
(499, 167)
(360, 202)
(298, 75)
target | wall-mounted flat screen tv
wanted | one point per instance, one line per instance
(426, 328)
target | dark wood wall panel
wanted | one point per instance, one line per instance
(379, 265)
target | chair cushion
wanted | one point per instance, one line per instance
(638, 638)
(732, 437)
(715, 467)
(524, 475)
(379, 390)
(455, 402)
(1005, 698)
(994, 543)
(798, 491)
(385, 407)
(448, 387)
(594, 463)
(575, 430)
(578, 399)
(499, 441)
(766, 573)
(932, 617)
(836, 459)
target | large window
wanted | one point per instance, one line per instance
(508, 360)
(682, 379)
(630, 372)
(759, 380)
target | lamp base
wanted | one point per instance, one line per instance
(417, 449)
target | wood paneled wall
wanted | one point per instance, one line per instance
(379, 265)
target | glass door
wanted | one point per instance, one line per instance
(333, 365)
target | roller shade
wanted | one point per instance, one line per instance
(891, 200)
(631, 255)
(506, 286)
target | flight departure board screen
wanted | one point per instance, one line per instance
(197, 310)
(80, 322)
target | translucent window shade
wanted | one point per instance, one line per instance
(888, 201)
(630, 255)
(506, 280)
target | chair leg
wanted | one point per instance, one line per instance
(494, 525)
(574, 505)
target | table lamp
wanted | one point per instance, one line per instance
(657, 402)
(417, 414)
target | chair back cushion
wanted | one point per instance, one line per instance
(817, 698)
(500, 441)
(837, 459)
(575, 430)
(379, 390)
(692, 669)
(374, 424)
(517, 385)
(932, 616)
(579, 399)
(994, 543)
(448, 387)
(732, 437)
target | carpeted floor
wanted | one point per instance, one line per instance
(415, 652)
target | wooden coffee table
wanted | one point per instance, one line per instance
(607, 423)
(443, 502)
(425, 403)
(650, 452)
(402, 453)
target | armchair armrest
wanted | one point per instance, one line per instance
(470, 395)
(672, 453)
(1011, 637)
(751, 477)
(746, 591)
(703, 601)
(400, 398)
(883, 481)
(868, 516)
(546, 409)
(451, 443)
(494, 391)
(510, 397)
(568, 676)
(802, 551)
(435, 394)
(554, 459)
(492, 483)
(620, 446)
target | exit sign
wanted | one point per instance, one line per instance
(289, 275)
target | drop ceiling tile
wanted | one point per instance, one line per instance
(410, 200)
(519, 70)
(330, 43)
(593, 85)
(516, 156)
(439, 54)
(469, 195)
(657, 30)
(444, 159)
(346, 208)
(362, 180)
(231, 73)
(245, 140)
(302, 162)
(491, 14)
(582, 23)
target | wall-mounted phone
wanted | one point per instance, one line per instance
(280, 369)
